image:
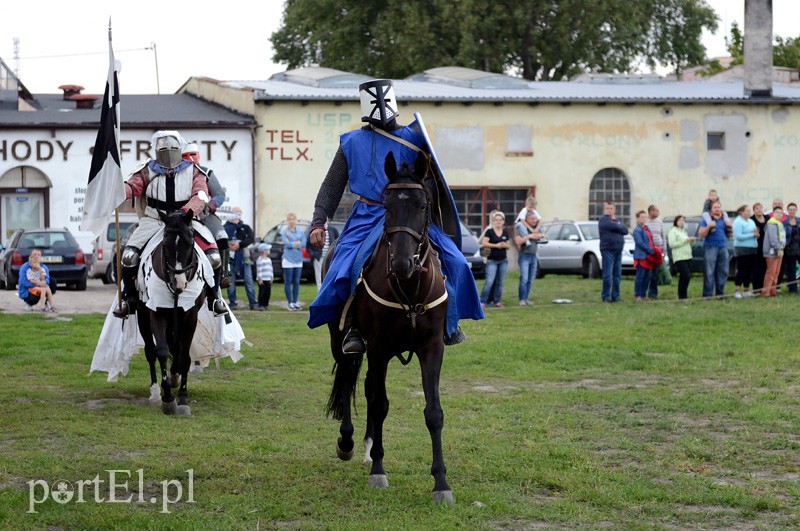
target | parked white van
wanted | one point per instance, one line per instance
(103, 248)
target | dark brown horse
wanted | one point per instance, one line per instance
(169, 331)
(400, 305)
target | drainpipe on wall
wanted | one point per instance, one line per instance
(758, 48)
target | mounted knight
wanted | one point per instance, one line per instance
(359, 164)
(163, 185)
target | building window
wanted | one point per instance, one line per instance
(715, 141)
(475, 204)
(610, 184)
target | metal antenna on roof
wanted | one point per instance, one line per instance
(155, 55)
(16, 57)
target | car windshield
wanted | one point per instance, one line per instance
(273, 235)
(46, 240)
(691, 227)
(590, 231)
(111, 231)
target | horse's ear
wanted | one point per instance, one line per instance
(421, 165)
(390, 166)
(188, 216)
(162, 216)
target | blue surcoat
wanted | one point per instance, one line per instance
(365, 152)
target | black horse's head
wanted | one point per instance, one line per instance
(407, 204)
(177, 249)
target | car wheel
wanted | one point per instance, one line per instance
(110, 277)
(11, 282)
(539, 273)
(81, 284)
(591, 267)
(732, 268)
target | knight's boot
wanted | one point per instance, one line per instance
(215, 303)
(458, 336)
(222, 245)
(353, 343)
(130, 297)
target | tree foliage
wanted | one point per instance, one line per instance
(785, 50)
(538, 39)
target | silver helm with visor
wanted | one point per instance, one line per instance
(168, 152)
(378, 102)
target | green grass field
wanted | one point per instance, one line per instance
(641, 416)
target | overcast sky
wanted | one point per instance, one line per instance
(63, 42)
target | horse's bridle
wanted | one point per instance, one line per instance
(404, 301)
(189, 270)
(420, 238)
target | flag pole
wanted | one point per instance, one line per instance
(117, 255)
(118, 261)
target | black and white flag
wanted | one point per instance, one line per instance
(106, 190)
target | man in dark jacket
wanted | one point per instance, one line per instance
(612, 241)
(240, 236)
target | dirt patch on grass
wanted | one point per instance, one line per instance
(122, 398)
(720, 384)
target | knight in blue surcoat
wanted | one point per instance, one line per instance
(359, 163)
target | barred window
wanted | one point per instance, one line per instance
(610, 184)
(475, 204)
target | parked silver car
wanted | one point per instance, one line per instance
(105, 247)
(574, 247)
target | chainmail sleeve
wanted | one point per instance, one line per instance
(331, 190)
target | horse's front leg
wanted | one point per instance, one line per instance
(149, 353)
(159, 327)
(369, 432)
(430, 360)
(377, 409)
(183, 360)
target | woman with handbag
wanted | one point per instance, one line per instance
(497, 242)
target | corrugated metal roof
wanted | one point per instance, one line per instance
(467, 85)
(152, 110)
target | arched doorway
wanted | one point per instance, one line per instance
(610, 184)
(24, 200)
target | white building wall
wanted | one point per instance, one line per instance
(64, 157)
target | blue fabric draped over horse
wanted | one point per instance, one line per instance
(365, 151)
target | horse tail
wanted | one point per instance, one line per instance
(345, 378)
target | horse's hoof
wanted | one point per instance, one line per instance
(443, 496)
(175, 380)
(155, 395)
(344, 456)
(379, 481)
(169, 408)
(183, 410)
